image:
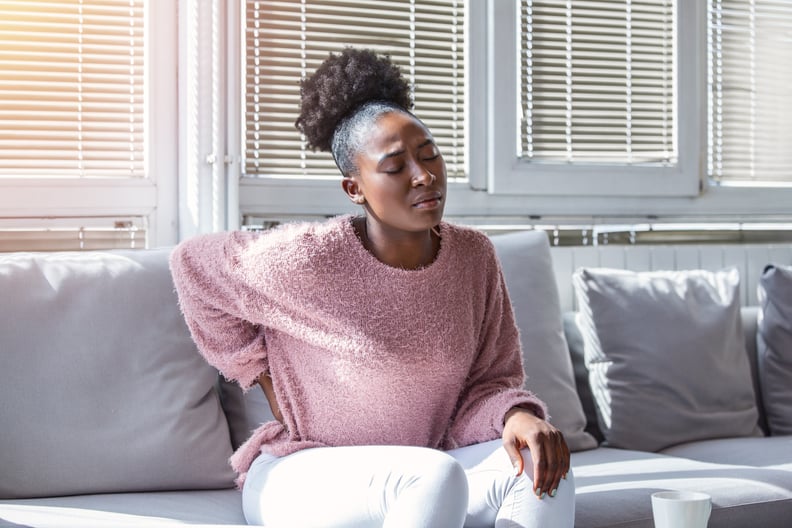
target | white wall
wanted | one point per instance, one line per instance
(749, 259)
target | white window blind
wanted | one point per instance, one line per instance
(750, 90)
(71, 88)
(287, 40)
(72, 234)
(597, 81)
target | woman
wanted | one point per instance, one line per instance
(386, 343)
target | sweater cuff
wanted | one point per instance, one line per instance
(525, 400)
(245, 373)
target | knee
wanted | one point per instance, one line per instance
(446, 473)
(564, 496)
(568, 483)
(526, 454)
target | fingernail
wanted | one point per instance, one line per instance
(553, 492)
(539, 494)
(565, 476)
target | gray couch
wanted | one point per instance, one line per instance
(110, 417)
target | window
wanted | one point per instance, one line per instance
(286, 41)
(63, 235)
(73, 89)
(283, 41)
(750, 91)
(85, 132)
(571, 108)
(597, 82)
(604, 94)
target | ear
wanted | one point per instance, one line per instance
(352, 189)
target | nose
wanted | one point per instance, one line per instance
(422, 175)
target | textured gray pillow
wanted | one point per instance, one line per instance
(101, 387)
(774, 343)
(666, 358)
(528, 272)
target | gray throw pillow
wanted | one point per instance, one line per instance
(774, 347)
(666, 358)
(101, 387)
(528, 272)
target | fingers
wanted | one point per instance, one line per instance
(516, 458)
(549, 451)
(560, 464)
(539, 459)
(551, 463)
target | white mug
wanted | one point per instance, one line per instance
(681, 509)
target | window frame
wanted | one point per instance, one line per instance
(510, 174)
(153, 198)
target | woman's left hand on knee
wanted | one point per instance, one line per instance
(549, 451)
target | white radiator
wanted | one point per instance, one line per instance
(749, 259)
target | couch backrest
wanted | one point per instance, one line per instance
(101, 387)
(749, 259)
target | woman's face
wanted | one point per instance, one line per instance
(401, 175)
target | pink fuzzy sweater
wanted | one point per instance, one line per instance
(359, 352)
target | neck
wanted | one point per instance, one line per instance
(399, 249)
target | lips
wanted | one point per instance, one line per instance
(428, 200)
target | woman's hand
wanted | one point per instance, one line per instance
(549, 450)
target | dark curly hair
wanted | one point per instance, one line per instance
(345, 92)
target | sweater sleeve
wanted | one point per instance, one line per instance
(211, 293)
(495, 382)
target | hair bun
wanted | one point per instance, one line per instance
(343, 83)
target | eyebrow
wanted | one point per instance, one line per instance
(399, 152)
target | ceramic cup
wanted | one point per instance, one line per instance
(681, 509)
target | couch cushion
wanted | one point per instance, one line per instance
(102, 389)
(769, 452)
(774, 343)
(528, 272)
(666, 356)
(574, 339)
(750, 317)
(614, 486)
(576, 354)
(196, 508)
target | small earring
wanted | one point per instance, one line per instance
(359, 199)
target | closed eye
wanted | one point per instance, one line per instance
(429, 151)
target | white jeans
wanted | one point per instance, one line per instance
(401, 487)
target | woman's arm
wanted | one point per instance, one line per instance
(212, 294)
(494, 402)
(495, 381)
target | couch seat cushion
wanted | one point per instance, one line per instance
(771, 452)
(614, 487)
(202, 508)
